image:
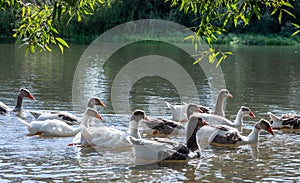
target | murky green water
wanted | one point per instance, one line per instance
(262, 78)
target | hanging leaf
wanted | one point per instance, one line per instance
(287, 4)
(288, 12)
(62, 42)
(223, 57)
(23, 11)
(32, 48)
(61, 48)
(280, 16)
(47, 48)
(296, 32)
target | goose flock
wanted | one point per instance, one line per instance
(149, 137)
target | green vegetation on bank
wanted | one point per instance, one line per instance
(230, 39)
(259, 39)
(41, 25)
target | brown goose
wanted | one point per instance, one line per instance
(179, 111)
(4, 109)
(229, 135)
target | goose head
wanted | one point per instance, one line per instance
(138, 115)
(193, 108)
(22, 94)
(220, 104)
(194, 124)
(246, 111)
(25, 93)
(264, 125)
(95, 101)
(90, 112)
(224, 93)
(197, 122)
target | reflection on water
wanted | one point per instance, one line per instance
(262, 78)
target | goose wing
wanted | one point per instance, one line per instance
(4, 108)
(292, 122)
(57, 128)
(226, 135)
(164, 126)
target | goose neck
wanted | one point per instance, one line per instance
(219, 108)
(18, 107)
(253, 136)
(134, 129)
(238, 119)
(84, 121)
(191, 137)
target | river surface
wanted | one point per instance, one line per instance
(262, 78)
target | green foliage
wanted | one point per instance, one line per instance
(36, 27)
(4, 4)
(216, 17)
(298, 29)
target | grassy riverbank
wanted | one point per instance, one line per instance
(259, 39)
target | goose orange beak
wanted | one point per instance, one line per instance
(251, 114)
(229, 95)
(270, 130)
(199, 110)
(102, 104)
(98, 116)
(30, 96)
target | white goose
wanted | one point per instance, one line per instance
(56, 127)
(179, 111)
(67, 117)
(158, 149)
(226, 135)
(161, 126)
(215, 119)
(109, 137)
(287, 121)
(4, 109)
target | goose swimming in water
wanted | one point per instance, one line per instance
(65, 116)
(158, 149)
(215, 119)
(58, 128)
(179, 111)
(287, 121)
(109, 137)
(231, 136)
(4, 109)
